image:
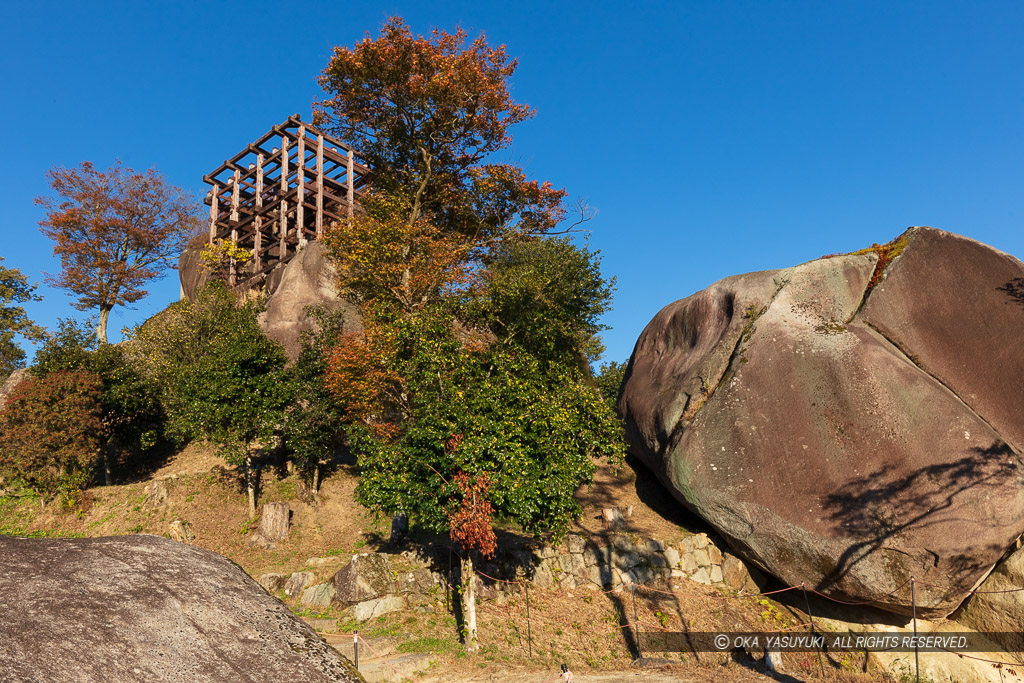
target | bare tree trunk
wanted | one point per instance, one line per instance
(250, 486)
(101, 328)
(469, 602)
(107, 479)
(316, 479)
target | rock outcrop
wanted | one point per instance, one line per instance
(308, 279)
(366, 576)
(998, 606)
(13, 380)
(844, 425)
(144, 608)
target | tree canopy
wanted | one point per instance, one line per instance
(114, 231)
(15, 289)
(478, 329)
(468, 394)
(221, 378)
(427, 113)
(50, 432)
(131, 416)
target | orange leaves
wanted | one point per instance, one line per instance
(453, 443)
(381, 257)
(421, 110)
(113, 230)
(506, 201)
(361, 376)
(471, 525)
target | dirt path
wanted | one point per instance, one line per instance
(732, 672)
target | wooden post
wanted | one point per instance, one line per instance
(351, 184)
(258, 240)
(283, 229)
(319, 185)
(529, 633)
(234, 197)
(214, 211)
(233, 267)
(300, 184)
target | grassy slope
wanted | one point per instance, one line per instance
(584, 627)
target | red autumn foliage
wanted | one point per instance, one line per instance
(113, 231)
(50, 430)
(472, 524)
(426, 112)
(362, 378)
(395, 94)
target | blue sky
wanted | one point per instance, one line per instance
(713, 138)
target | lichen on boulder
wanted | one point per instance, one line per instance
(145, 608)
(846, 426)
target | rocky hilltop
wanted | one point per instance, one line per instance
(308, 279)
(847, 423)
(145, 608)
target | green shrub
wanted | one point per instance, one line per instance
(132, 415)
(313, 420)
(221, 378)
(50, 432)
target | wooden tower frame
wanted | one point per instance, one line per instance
(270, 202)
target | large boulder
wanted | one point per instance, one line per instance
(307, 280)
(144, 608)
(365, 577)
(192, 272)
(998, 606)
(844, 435)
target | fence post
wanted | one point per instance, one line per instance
(529, 634)
(810, 616)
(913, 602)
(636, 621)
(355, 649)
(448, 585)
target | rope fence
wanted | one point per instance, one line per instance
(635, 626)
(505, 612)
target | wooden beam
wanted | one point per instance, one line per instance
(284, 165)
(274, 193)
(214, 211)
(280, 129)
(319, 185)
(256, 251)
(351, 184)
(232, 266)
(283, 227)
(234, 197)
(300, 214)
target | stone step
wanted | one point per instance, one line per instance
(393, 669)
(322, 625)
(369, 648)
(378, 660)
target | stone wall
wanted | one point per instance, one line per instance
(622, 560)
(367, 584)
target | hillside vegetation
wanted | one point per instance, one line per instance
(577, 626)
